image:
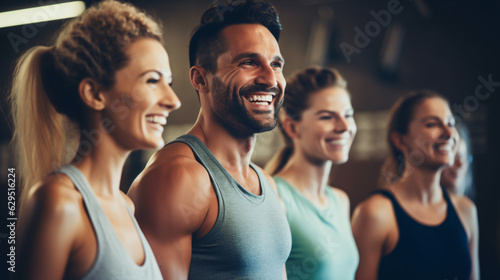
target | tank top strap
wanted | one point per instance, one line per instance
(212, 166)
(262, 178)
(451, 215)
(203, 155)
(399, 212)
(403, 217)
(112, 260)
(218, 174)
(390, 196)
(81, 184)
(447, 198)
(97, 216)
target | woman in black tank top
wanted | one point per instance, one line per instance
(414, 229)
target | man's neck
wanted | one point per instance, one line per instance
(234, 153)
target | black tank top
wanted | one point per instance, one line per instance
(438, 252)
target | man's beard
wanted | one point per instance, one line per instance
(230, 109)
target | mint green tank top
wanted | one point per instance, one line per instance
(323, 247)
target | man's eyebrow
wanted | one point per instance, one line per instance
(245, 55)
(254, 55)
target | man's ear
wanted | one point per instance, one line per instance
(398, 141)
(91, 95)
(198, 77)
(290, 127)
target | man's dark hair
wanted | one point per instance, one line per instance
(206, 45)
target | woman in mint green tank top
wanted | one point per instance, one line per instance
(104, 85)
(318, 128)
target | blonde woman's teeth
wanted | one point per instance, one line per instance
(161, 120)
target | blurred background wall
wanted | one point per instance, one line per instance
(383, 48)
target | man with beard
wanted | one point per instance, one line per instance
(206, 210)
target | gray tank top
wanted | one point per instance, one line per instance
(112, 260)
(250, 239)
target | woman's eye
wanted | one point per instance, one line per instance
(152, 81)
(325, 117)
(431, 124)
(348, 116)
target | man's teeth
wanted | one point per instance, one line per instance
(157, 119)
(262, 98)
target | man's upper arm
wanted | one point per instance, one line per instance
(170, 206)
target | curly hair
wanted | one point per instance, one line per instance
(93, 46)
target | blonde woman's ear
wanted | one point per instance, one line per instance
(91, 95)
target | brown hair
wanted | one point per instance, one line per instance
(46, 81)
(299, 87)
(400, 116)
(206, 43)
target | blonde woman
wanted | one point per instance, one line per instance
(108, 75)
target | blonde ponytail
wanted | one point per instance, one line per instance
(279, 160)
(39, 131)
(46, 106)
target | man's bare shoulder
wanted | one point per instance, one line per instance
(172, 167)
(173, 191)
(170, 152)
